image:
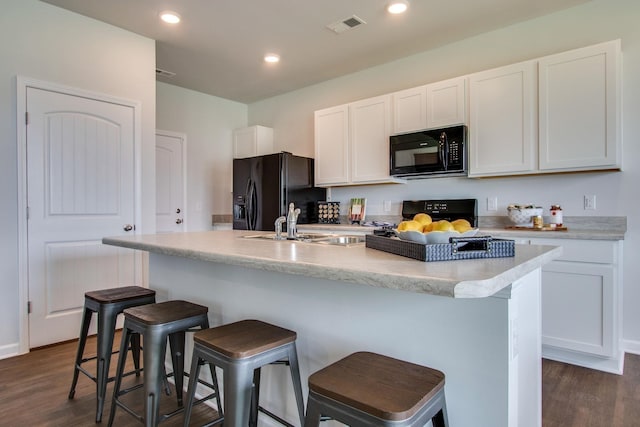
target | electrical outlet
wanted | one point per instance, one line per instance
(590, 202)
(492, 204)
(386, 205)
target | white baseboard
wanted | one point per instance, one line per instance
(605, 364)
(10, 350)
(631, 346)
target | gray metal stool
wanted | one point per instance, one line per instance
(240, 349)
(107, 303)
(367, 389)
(155, 323)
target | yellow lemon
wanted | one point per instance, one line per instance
(443, 225)
(422, 218)
(461, 225)
(410, 226)
(427, 228)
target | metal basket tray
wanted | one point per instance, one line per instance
(456, 249)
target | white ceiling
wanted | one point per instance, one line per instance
(218, 47)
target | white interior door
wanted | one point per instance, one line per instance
(170, 182)
(80, 178)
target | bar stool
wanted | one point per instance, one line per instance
(367, 389)
(155, 323)
(240, 349)
(107, 303)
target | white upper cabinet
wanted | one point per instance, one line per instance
(352, 143)
(410, 110)
(332, 146)
(252, 141)
(446, 103)
(430, 106)
(502, 126)
(370, 127)
(579, 95)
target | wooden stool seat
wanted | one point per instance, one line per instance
(113, 295)
(244, 339)
(107, 304)
(165, 312)
(241, 349)
(372, 389)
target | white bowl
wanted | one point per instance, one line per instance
(433, 236)
(523, 216)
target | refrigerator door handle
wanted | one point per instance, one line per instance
(252, 204)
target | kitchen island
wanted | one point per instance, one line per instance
(478, 321)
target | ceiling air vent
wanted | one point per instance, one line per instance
(346, 24)
(164, 73)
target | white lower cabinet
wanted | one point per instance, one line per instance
(581, 304)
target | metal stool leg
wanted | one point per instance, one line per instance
(238, 380)
(176, 344)
(194, 372)
(106, 325)
(135, 352)
(255, 398)
(84, 331)
(155, 344)
(122, 358)
(295, 378)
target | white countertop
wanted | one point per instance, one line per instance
(475, 278)
(593, 233)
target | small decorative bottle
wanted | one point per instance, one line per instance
(555, 215)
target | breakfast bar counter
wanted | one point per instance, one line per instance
(477, 320)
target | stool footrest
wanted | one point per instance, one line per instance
(275, 417)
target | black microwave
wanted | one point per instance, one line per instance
(429, 152)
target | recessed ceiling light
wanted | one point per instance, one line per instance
(272, 58)
(398, 6)
(170, 17)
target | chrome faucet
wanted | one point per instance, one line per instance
(292, 221)
(279, 221)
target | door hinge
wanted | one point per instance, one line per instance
(26, 117)
(28, 213)
(28, 307)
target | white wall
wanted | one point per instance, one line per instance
(291, 115)
(47, 43)
(208, 122)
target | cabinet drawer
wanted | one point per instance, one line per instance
(595, 251)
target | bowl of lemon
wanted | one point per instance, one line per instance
(422, 229)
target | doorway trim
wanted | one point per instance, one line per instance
(22, 83)
(183, 137)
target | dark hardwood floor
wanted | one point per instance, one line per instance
(579, 397)
(34, 389)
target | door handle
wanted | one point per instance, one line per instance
(178, 221)
(128, 227)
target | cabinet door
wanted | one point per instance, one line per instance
(332, 146)
(410, 110)
(446, 103)
(244, 143)
(252, 141)
(502, 135)
(578, 307)
(370, 124)
(579, 112)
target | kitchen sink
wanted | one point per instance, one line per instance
(301, 236)
(340, 240)
(319, 238)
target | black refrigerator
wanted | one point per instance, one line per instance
(263, 187)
